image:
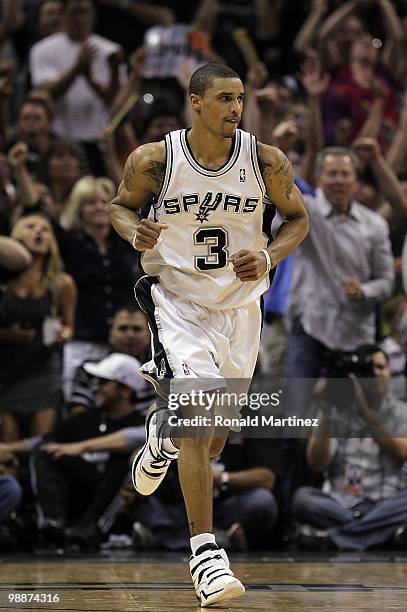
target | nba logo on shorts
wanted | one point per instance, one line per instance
(242, 175)
(186, 369)
(163, 369)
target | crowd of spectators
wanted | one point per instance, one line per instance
(82, 84)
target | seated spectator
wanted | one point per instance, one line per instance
(75, 489)
(102, 265)
(245, 480)
(129, 334)
(158, 521)
(36, 317)
(10, 498)
(245, 509)
(363, 500)
(395, 317)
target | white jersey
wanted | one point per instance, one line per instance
(211, 215)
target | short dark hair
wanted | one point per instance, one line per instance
(366, 352)
(202, 79)
(131, 309)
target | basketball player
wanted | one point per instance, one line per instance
(208, 261)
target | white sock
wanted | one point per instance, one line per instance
(200, 540)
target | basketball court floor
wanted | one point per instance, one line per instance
(127, 581)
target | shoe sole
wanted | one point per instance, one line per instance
(231, 591)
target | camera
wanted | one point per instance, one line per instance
(340, 364)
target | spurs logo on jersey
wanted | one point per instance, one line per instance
(191, 202)
(211, 214)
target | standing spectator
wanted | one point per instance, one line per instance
(390, 199)
(34, 128)
(63, 165)
(81, 71)
(342, 272)
(102, 266)
(221, 18)
(49, 18)
(36, 316)
(362, 94)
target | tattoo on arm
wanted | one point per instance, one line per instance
(156, 170)
(281, 174)
(192, 528)
(128, 173)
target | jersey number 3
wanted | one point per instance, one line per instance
(216, 241)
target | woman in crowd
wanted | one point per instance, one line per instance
(36, 317)
(62, 168)
(102, 265)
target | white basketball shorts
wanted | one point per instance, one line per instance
(190, 341)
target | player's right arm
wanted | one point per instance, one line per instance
(143, 176)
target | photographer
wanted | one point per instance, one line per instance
(363, 501)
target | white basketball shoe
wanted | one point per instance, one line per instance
(212, 577)
(151, 462)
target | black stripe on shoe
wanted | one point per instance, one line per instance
(205, 569)
(150, 474)
(220, 575)
(208, 558)
(209, 594)
(217, 569)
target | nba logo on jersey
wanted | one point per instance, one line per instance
(242, 175)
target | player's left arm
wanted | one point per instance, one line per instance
(278, 177)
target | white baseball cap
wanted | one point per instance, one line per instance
(118, 367)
